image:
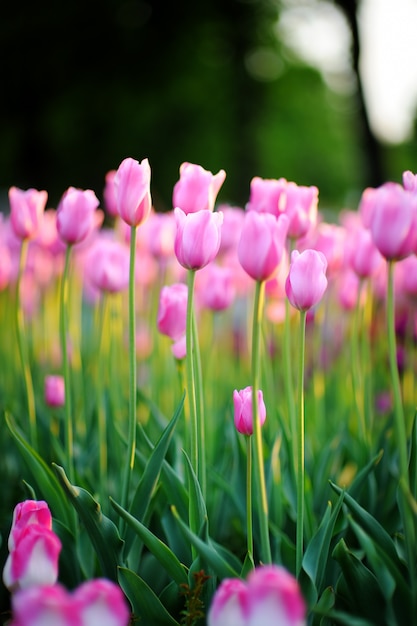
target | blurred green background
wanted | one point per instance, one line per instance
(86, 83)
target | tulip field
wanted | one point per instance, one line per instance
(208, 414)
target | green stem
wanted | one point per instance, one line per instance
(198, 381)
(288, 382)
(300, 447)
(101, 405)
(69, 443)
(23, 349)
(190, 375)
(249, 521)
(259, 462)
(400, 429)
(131, 441)
(357, 376)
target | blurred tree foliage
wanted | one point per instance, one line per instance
(89, 82)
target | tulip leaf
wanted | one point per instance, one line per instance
(146, 606)
(159, 549)
(102, 532)
(48, 483)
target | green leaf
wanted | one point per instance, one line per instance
(198, 510)
(159, 549)
(145, 603)
(101, 530)
(207, 551)
(361, 476)
(46, 480)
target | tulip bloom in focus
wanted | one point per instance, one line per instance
(306, 281)
(28, 512)
(75, 216)
(132, 187)
(262, 242)
(243, 414)
(197, 189)
(197, 240)
(26, 211)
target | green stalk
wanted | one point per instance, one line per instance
(400, 430)
(199, 402)
(194, 448)
(69, 428)
(23, 349)
(259, 463)
(357, 376)
(249, 520)
(101, 405)
(300, 447)
(131, 441)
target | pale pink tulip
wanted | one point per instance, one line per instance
(46, 605)
(26, 211)
(215, 288)
(109, 194)
(243, 412)
(233, 218)
(409, 181)
(301, 208)
(197, 240)
(197, 188)
(172, 310)
(107, 265)
(306, 281)
(267, 195)
(228, 607)
(160, 232)
(101, 602)
(75, 218)
(179, 348)
(132, 186)
(262, 243)
(54, 390)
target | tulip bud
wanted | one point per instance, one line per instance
(197, 189)
(172, 310)
(132, 187)
(75, 216)
(101, 602)
(306, 281)
(243, 413)
(54, 391)
(197, 240)
(26, 211)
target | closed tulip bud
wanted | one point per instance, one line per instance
(54, 391)
(132, 187)
(243, 410)
(108, 265)
(101, 602)
(197, 188)
(228, 607)
(216, 288)
(75, 217)
(33, 560)
(306, 281)
(26, 211)
(301, 208)
(28, 512)
(262, 243)
(197, 239)
(109, 194)
(43, 605)
(267, 195)
(172, 310)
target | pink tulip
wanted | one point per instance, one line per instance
(132, 186)
(101, 603)
(390, 213)
(306, 281)
(274, 597)
(172, 310)
(410, 181)
(107, 265)
(267, 195)
(243, 413)
(25, 513)
(197, 240)
(33, 560)
(196, 189)
(109, 194)
(75, 217)
(233, 218)
(161, 229)
(301, 208)
(26, 211)
(228, 607)
(179, 348)
(215, 288)
(44, 605)
(262, 243)
(363, 256)
(54, 391)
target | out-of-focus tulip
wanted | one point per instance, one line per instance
(262, 243)
(33, 560)
(215, 288)
(132, 185)
(107, 265)
(26, 513)
(54, 390)
(243, 413)
(306, 281)
(197, 240)
(197, 188)
(101, 603)
(26, 211)
(301, 208)
(172, 310)
(75, 217)
(44, 605)
(362, 255)
(409, 181)
(390, 213)
(109, 194)
(179, 348)
(228, 607)
(161, 229)
(267, 195)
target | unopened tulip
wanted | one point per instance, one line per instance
(172, 310)
(54, 390)
(26, 211)
(197, 188)
(108, 265)
(75, 217)
(228, 607)
(28, 512)
(33, 560)
(267, 195)
(306, 281)
(410, 181)
(44, 605)
(197, 240)
(243, 411)
(109, 194)
(301, 208)
(101, 602)
(216, 288)
(262, 243)
(132, 186)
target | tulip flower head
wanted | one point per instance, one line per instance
(132, 188)
(109, 194)
(108, 265)
(197, 239)
(44, 605)
(243, 412)
(54, 390)
(197, 188)
(306, 281)
(301, 208)
(26, 211)
(101, 603)
(28, 512)
(267, 195)
(172, 310)
(75, 216)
